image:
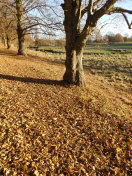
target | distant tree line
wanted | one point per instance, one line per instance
(49, 42)
(108, 38)
(117, 38)
(95, 38)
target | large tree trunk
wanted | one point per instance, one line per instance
(74, 73)
(75, 42)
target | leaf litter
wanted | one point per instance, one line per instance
(50, 130)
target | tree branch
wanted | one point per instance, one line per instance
(119, 10)
(103, 10)
(84, 11)
(90, 7)
(129, 25)
(122, 11)
(97, 2)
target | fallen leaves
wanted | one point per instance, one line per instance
(49, 130)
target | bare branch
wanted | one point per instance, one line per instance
(122, 11)
(84, 11)
(129, 25)
(90, 7)
(119, 10)
(97, 2)
(103, 10)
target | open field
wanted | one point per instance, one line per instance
(114, 70)
(115, 67)
(113, 62)
(117, 48)
(48, 128)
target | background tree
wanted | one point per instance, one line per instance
(28, 15)
(26, 21)
(126, 37)
(7, 26)
(119, 38)
(77, 35)
(97, 37)
(112, 38)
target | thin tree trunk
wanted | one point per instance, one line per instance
(8, 42)
(20, 27)
(74, 73)
(4, 40)
(21, 46)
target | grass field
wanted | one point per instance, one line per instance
(111, 65)
(113, 61)
(117, 48)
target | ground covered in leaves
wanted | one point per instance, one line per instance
(48, 128)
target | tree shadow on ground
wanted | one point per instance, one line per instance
(8, 52)
(34, 80)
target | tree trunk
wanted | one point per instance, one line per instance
(21, 46)
(4, 40)
(74, 73)
(8, 42)
(75, 42)
(20, 27)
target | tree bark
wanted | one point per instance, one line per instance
(4, 40)
(20, 27)
(8, 42)
(21, 46)
(75, 42)
(74, 73)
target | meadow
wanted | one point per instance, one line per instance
(96, 48)
(110, 65)
(113, 61)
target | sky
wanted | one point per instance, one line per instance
(117, 23)
(113, 23)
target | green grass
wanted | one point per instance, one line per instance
(117, 48)
(115, 67)
(112, 61)
(52, 48)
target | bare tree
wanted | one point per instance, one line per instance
(97, 37)
(28, 15)
(32, 14)
(7, 22)
(26, 21)
(76, 35)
